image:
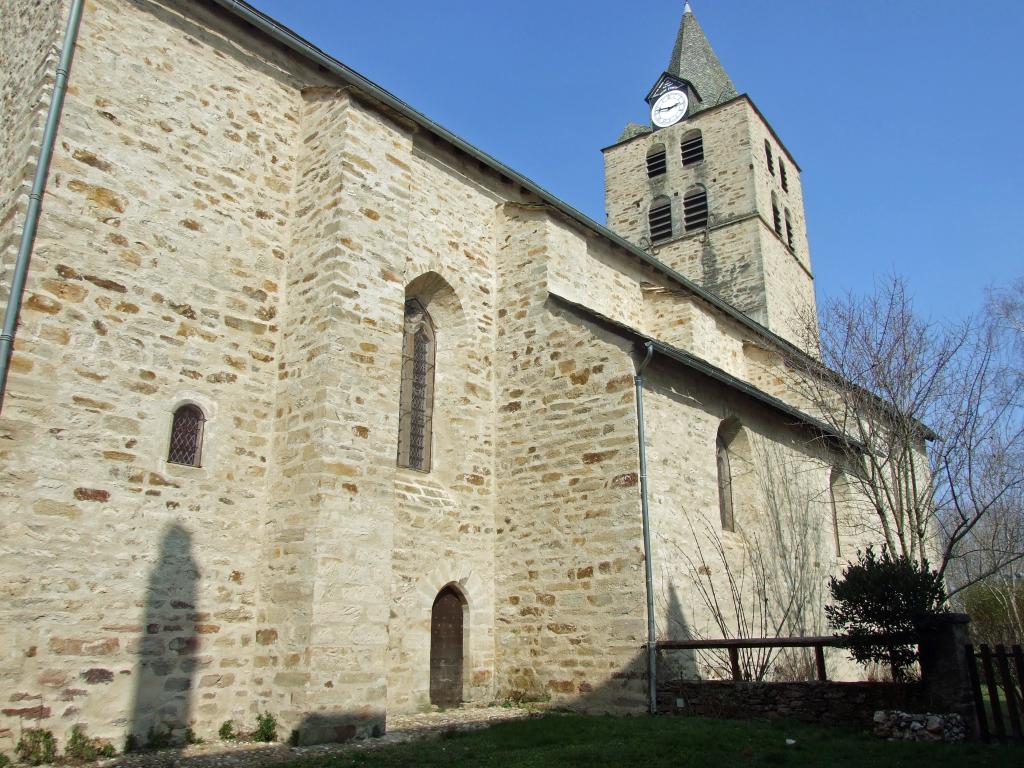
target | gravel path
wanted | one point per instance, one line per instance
(401, 729)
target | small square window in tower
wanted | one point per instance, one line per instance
(695, 209)
(657, 163)
(692, 148)
(660, 219)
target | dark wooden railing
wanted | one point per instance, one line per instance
(1003, 671)
(819, 644)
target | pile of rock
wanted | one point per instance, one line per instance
(903, 726)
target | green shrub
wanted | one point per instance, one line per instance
(4, 760)
(226, 732)
(36, 746)
(82, 749)
(158, 738)
(884, 595)
(266, 728)
(191, 738)
(131, 744)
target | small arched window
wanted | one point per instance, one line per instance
(660, 218)
(725, 507)
(656, 162)
(768, 157)
(782, 176)
(776, 215)
(836, 483)
(415, 417)
(789, 231)
(695, 209)
(692, 148)
(187, 436)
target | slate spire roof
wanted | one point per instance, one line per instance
(693, 59)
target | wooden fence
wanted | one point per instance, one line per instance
(819, 644)
(999, 679)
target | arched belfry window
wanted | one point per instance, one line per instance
(417, 401)
(187, 436)
(782, 176)
(660, 219)
(656, 161)
(692, 147)
(768, 157)
(789, 230)
(725, 507)
(776, 215)
(695, 209)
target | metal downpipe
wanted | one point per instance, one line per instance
(652, 651)
(35, 198)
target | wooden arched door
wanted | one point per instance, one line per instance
(446, 649)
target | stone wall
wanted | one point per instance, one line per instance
(228, 227)
(843, 704)
(29, 48)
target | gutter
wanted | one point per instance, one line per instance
(35, 198)
(645, 513)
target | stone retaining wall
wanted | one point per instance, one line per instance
(816, 702)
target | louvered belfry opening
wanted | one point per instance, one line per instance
(789, 231)
(415, 417)
(692, 149)
(660, 219)
(782, 176)
(776, 217)
(695, 209)
(657, 163)
(186, 436)
(768, 157)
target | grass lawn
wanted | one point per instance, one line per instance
(572, 740)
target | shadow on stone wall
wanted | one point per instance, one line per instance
(167, 649)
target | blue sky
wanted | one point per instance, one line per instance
(906, 116)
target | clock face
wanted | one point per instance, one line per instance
(669, 109)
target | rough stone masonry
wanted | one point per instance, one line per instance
(230, 226)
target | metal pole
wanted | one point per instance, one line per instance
(652, 651)
(35, 198)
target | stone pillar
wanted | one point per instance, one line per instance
(944, 677)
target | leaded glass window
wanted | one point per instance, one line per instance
(725, 486)
(186, 436)
(415, 418)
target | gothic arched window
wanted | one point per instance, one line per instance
(187, 436)
(660, 219)
(725, 507)
(656, 162)
(692, 148)
(695, 209)
(415, 415)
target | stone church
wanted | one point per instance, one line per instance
(315, 409)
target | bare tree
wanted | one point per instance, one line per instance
(934, 419)
(768, 578)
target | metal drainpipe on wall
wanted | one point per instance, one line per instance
(35, 198)
(652, 651)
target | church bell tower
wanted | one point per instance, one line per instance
(710, 190)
